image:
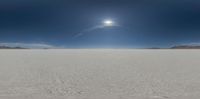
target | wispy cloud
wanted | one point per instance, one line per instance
(192, 44)
(28, 45)
(88, 30)
(93, 28)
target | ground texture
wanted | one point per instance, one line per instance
(99, 74)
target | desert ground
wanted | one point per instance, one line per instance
(99, 74)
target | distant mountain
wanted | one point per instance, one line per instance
(186, 47)
(25, 46)
(154, 48)
(7, 47)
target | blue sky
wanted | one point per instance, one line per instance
(143, 23)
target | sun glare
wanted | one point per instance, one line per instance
(108, 23)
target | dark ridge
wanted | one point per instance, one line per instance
(7, 47)
(186, 47)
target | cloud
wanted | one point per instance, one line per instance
(192, 44)
(93, 28)
(28, 45)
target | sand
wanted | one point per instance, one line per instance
(99, 74)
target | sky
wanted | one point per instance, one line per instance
(140, 23)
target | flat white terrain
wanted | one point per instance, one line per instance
(99, 74)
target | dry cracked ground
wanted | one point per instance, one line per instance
(99, 74)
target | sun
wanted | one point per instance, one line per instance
(108, 23)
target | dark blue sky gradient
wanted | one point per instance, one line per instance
(143, 23)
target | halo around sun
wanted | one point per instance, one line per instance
(108, 23)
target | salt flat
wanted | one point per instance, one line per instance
(99, 74)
